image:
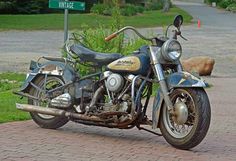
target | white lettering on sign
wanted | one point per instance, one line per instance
(69, 5)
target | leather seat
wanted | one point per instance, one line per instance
(88, 55)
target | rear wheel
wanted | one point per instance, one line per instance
(46, 121)
(189, 124)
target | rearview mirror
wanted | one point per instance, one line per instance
(178, 21)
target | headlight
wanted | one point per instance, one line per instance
(171, 50)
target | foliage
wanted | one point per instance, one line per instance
(131, 10)
(34, 6)
(99, 8)
(8, 83)
(6, 7)
(154, 6)
(226, 3)
(232, 7)
(23, 7)
(94, 38)
(126, 10)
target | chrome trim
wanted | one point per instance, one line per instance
(159, 72)
(108, 93)
(154, 50)
(133, 87)
(133, 93)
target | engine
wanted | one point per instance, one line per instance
(115, 83)
(112, 97)
(118, 89)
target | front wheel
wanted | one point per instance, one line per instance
(188, 124)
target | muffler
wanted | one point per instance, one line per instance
(57, 112)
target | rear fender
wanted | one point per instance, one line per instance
(54, 68)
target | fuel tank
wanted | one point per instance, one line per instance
(134, 64)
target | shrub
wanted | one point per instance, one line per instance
(99, 8)
(140, 9)
(232, 7)
(94, 39)
(6, 7)
(126, 10)
(131, 10)
(154, 6)
(225, 3)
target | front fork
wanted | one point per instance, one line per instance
(163, 86)
(160, 76)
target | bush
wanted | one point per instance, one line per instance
(232, 7)
(94, 39)
(154, 6)
(126, 10)
(131, 10)
(6, 7)
(99, 8)
(140, 9)
(225, 3)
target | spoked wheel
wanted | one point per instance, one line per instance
(43, 85)
(187, 126)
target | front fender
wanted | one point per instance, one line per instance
(184, 79)
(175, 80)
(50, 68)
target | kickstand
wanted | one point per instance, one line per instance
(155, 133)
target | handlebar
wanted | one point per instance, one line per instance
(115, 34)
(110, 37)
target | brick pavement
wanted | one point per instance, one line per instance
(25, 141)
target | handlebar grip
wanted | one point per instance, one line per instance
(108, 38)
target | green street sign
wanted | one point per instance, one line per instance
(71, 5)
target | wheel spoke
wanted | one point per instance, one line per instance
(176, 129)
(46, 84)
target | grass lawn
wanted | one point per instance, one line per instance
(55, 21)
(8, 111)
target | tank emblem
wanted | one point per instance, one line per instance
(130, 63)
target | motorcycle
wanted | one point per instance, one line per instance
(118, 93)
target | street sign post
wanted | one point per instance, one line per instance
(66, 5)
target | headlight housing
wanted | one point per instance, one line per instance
(171, 50)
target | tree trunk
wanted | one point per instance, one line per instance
(166, 5)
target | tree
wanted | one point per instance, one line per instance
(166, 5)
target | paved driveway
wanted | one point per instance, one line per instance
(25, 141)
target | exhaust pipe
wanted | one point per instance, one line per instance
(57, 112)
(38, 109)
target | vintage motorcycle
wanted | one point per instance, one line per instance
(117, 95)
